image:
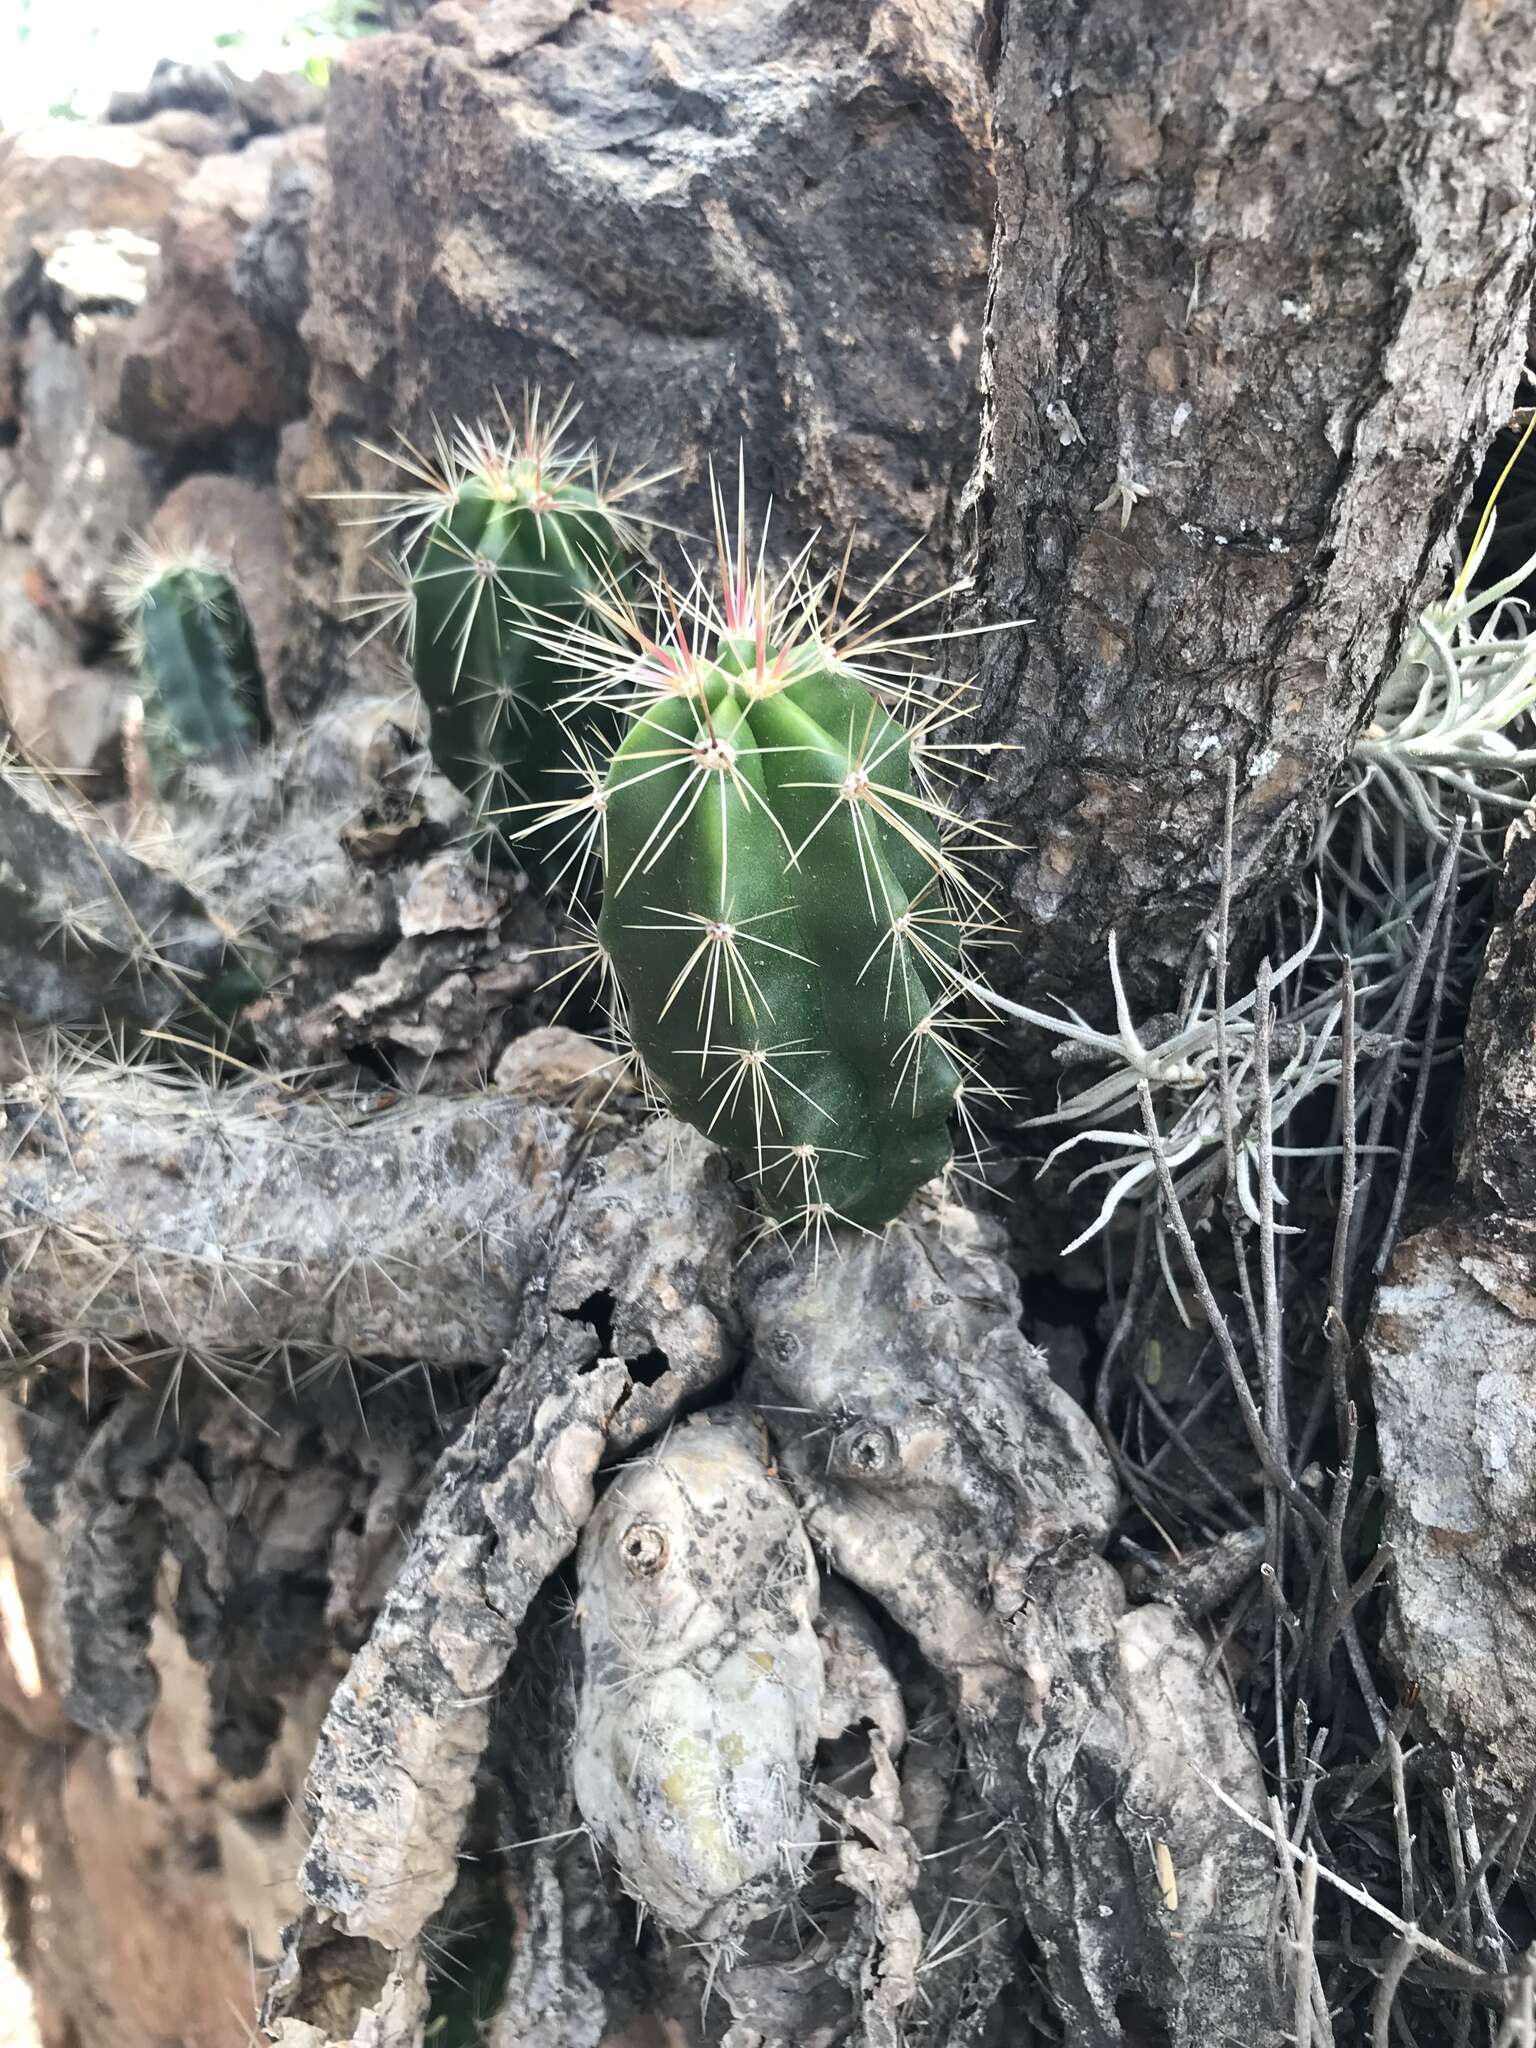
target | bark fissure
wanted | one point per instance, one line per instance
(1260, 585)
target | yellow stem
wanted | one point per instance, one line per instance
(1487, 513)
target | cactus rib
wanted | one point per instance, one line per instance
(188, 636)
(508, 543)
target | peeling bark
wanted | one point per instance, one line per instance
(943, 1472)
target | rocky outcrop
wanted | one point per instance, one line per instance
(243, 107)
(755, 224)
(271, 269)
(67, 176)
(67, 715)
(193, 365)
(89, 489)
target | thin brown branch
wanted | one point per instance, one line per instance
(1447, 929)
(1253, 1422)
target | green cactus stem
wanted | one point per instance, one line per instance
(510, 547)
(191, 642)
(785, 914)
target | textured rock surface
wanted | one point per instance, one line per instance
(746, 220)
(69, 718)
(193, 364)
(68, 175)
(1230, 272)
(1452, 1350)
(96, 270)
(91, 489)
(66, 715)
(245, 106)
(271, 272)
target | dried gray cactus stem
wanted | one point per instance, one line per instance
(88, 931)
(702, 1692)
(233, 1222)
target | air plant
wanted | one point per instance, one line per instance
(1399, 866)
(1201, 1072)
(1439, 745)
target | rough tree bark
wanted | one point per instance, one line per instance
(323, 1378)
(1259, 300)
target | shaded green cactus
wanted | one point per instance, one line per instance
(190, 640)
(785, 917)
(509, 547)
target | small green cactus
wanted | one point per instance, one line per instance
(785, 917)
(190, 640)
(508, 547)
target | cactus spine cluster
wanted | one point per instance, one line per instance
(188, 636)
(786, 914)
(503, 546)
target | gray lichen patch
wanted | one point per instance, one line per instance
(702, 1691)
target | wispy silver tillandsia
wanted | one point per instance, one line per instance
(1446, 761)
(1445, 741)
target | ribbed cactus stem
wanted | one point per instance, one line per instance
(191, 642)
(510, 547)
(782, 911)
